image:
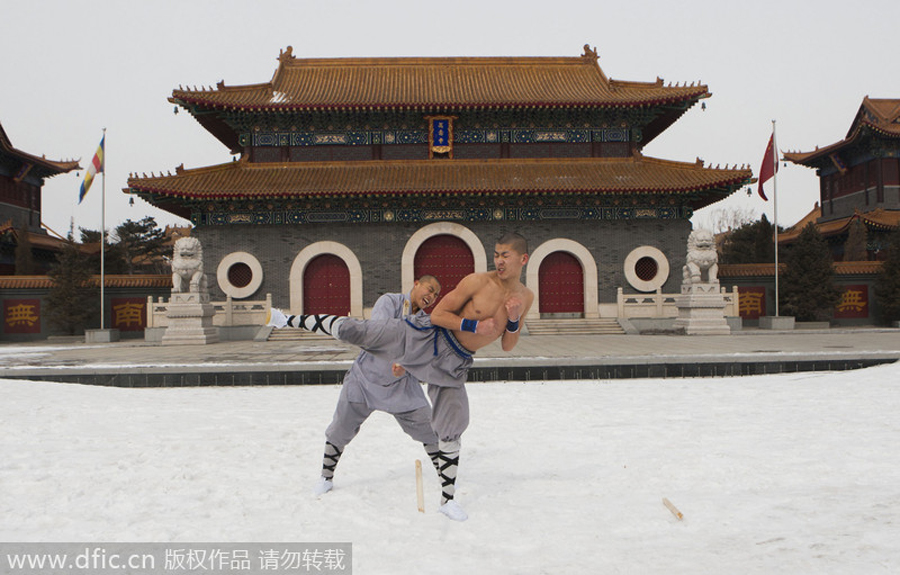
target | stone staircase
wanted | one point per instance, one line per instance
(601, 326)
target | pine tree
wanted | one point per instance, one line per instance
(887, 284)
(855, 246)
(807, 283)
(113, 262)
(751, 243)
(139, 243)
(71, 300)
(24, 256)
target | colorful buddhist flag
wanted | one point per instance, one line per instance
(769, 166)
(95, 168)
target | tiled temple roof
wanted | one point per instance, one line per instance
(881, 116)
(46, 167)
(133, 281)
(876, 219)
(244, 180)
(732, 271)
(447, 83)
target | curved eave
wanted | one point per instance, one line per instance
(156, 188)
(191, 103)
(723, 188)
(47, 168)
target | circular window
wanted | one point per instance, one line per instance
(646, 269)
(239, 275)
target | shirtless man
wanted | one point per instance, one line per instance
(439, 348)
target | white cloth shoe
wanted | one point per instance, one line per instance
(322, 487)
(276, 318)
(452, 510)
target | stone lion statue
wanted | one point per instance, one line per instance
(187, 266)
(701, 257)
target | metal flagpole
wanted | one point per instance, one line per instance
(775, 207)
(103, 234)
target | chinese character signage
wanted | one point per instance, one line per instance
(854, 302)
(440, 135)
(22, 316)
(752, 302)
(129, 313)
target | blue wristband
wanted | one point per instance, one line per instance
(469, 325)
(512, 326)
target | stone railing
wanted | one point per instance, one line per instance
(228, 313)
(659, 304)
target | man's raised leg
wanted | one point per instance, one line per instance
(322, 323)
(382, 338)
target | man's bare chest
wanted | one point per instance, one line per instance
(485, 306)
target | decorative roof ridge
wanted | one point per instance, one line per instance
(180, 169)
(355, 61)
(659, 83)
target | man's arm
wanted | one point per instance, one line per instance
(386, 307)
(515, 311)
(446, 312)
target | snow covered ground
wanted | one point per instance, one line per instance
(794, 473)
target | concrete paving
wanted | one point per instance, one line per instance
(138, 363)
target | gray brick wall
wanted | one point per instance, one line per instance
(845, 206)
(379, 248)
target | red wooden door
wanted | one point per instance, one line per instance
(447, 258)
(561, 284)
(326, 286)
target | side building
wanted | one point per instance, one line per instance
(859, 179)
(22, 176)
(353, 176)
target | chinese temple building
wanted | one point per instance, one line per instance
(859, 179)
(353, 176)
(22, 176)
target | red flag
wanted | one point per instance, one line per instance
(769, 166)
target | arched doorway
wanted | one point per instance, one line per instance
(326, 285)
(561, 285)
(446, 257)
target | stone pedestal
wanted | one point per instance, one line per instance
(190, 318)
(101, 335)
(780, 322)
(701, 310)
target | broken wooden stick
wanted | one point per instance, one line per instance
(420, 492)
(673, 509)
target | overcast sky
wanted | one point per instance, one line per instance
(69, 69)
